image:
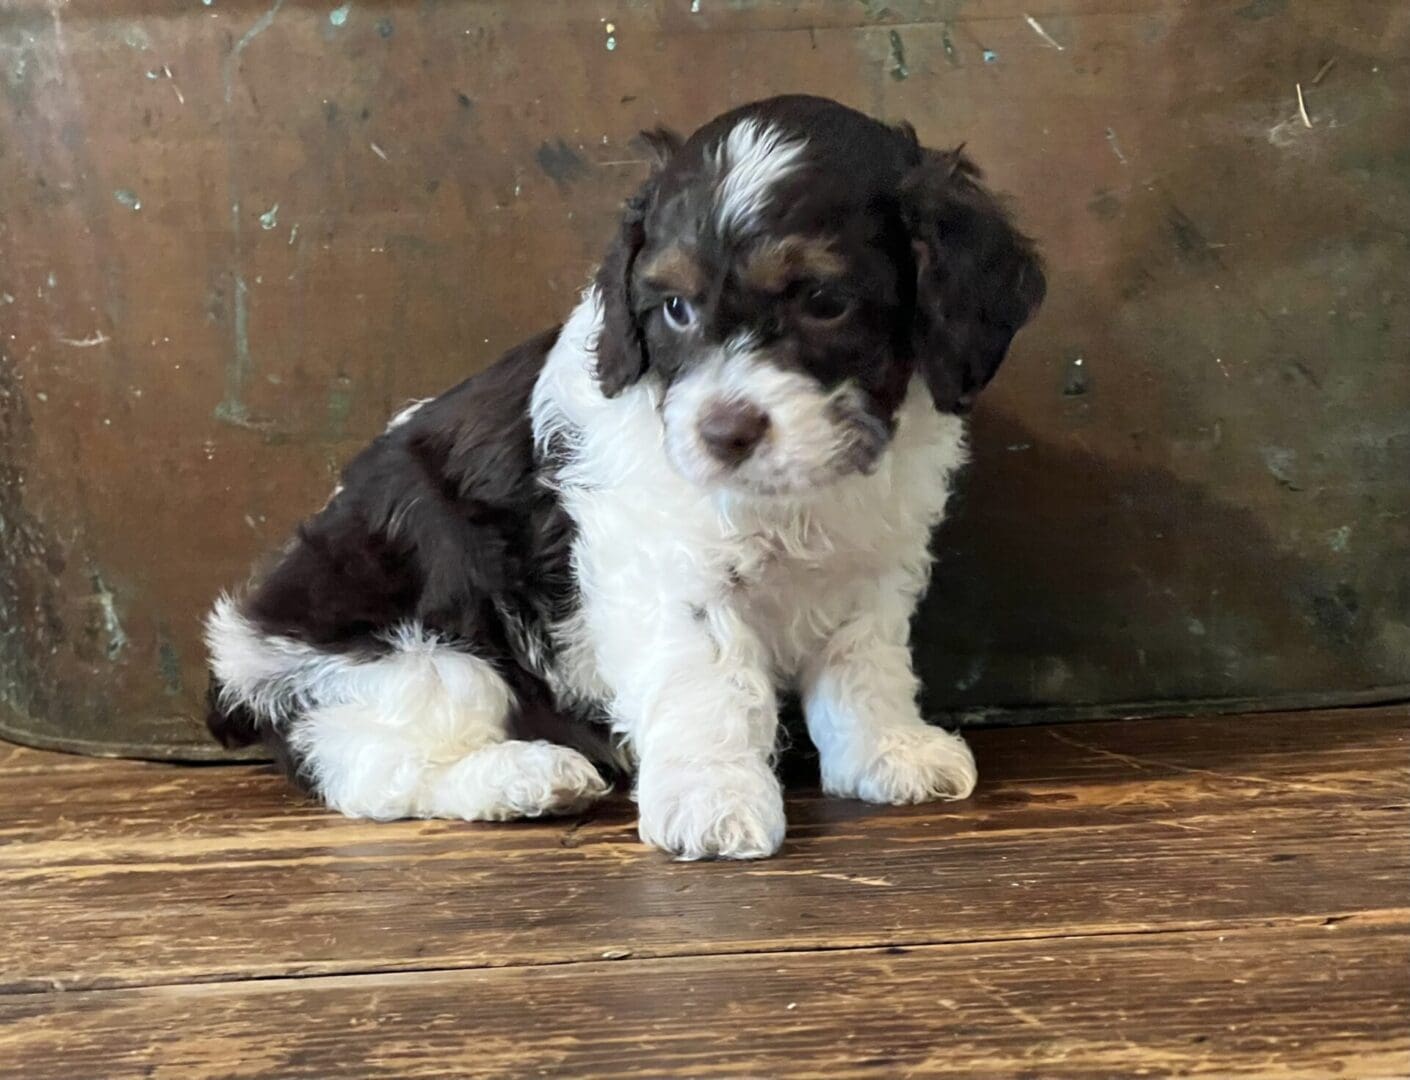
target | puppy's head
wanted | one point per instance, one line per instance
(786, 271)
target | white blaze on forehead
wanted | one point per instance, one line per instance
(750, 161)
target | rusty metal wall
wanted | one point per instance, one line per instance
(235, 236)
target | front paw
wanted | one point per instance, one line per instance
(731, 809)
(906, 765)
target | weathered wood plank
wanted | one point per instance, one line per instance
(1306, 1001)
(122, 873)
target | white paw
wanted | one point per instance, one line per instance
(515, 779)
(731, 809)
(905, 765)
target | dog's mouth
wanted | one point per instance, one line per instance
(736, 445)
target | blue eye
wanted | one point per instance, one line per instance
(680, 313)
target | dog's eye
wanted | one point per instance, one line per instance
(822, 304)
(680, 312)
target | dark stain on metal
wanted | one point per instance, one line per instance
(385, 29)
(980, 605)
(560, 162)
(1336, 612)
(1298, 371)
(32, 566)
(1261, 9)
(464, 99)
(1190, 242)
(1077, 379)
(1105, 206)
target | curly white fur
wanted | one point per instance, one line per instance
(698, 603)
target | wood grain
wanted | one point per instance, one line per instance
(1308, 1001)
(121, 874)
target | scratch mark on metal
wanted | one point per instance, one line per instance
(112, 624)
(259, 26)
(1115, 146)
(164, 72)
(377, 150)
(98, 338)
(232, 409)
(1038, 29)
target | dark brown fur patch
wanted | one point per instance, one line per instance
(775, 265)
(675, 272)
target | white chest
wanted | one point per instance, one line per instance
(660, 563)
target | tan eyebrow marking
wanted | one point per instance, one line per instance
(776, 264)
(675, 271)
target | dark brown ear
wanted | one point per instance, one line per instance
(620, 346)
(978, 279)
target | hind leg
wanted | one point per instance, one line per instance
(418, 732)
(363, 767)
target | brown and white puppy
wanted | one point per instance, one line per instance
(715, 481)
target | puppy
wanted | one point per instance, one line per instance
(715, 481)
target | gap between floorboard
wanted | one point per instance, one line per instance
(1365, 918)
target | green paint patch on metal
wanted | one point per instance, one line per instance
(899, 71)
(340, 402)
(169, 668)
(948, 44)
(1261, 9)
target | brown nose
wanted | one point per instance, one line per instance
(731, 430)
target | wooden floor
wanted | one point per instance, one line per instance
(1213, 897)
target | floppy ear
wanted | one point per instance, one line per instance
(978, 279)
(620, 347)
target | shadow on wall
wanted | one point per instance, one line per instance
(1067, 580)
